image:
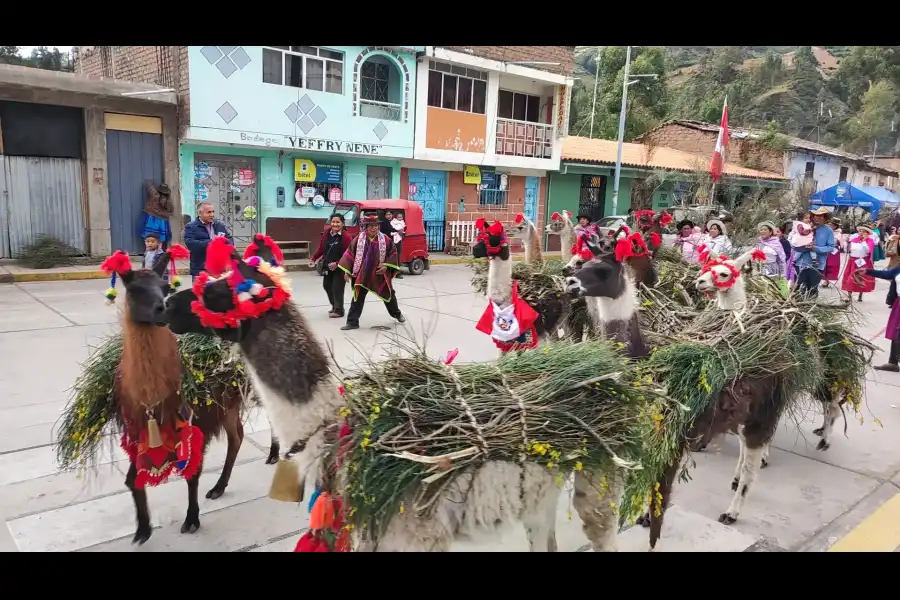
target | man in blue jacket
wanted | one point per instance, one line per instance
(200, 232)
(809, 270)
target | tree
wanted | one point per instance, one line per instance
(9, 55)
(873, 121)
(41, 57)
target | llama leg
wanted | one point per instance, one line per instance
(832, 411)
(596, 499)
(144, 530)
(735, 481)
(749, 472)
(540, 525)
(192, 520)
(234, 430)
(765, 456)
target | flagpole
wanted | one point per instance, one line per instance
(596, 81)
(712, 189)
(615, 197)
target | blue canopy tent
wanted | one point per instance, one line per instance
(844, 195)
(884, 195)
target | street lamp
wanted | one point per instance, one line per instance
(626, 81)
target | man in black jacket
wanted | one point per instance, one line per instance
(200, 232)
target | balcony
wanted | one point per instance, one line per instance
(525, 139)
(385, 111)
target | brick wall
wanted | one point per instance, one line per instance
(747, 153)
(564, 55)
(166, 66)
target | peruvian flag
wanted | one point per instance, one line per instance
(718, 158)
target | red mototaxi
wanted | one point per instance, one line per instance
(414, 248)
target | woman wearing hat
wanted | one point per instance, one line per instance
(861, 248)
(157, 211)
(716, 238)
(771, 246)
(688, 241)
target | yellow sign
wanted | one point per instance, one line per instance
(304, 170)
(471, 174)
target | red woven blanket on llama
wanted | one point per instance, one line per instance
(181, 450)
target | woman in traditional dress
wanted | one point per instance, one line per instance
(878, 254)
(892, 330)
(771, 246)
(688, 241)
(716, 238)
(157, 211)
(892, 249)
(331, 248)
(861, 247)
(833, 262)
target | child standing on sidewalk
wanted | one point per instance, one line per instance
(153, 250)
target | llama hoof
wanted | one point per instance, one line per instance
(190, 525)
(217, 491)
(727, 519)
(734, 484)
(643, 520)
(763, 464)
(818, 431)
(823, 445)
(273, 458)
(142, 534)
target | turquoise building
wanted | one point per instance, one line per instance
(276, 134)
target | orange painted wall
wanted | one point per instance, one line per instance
(455, 130)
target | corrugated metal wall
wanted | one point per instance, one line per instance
(43, 196)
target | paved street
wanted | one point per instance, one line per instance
(806, 500)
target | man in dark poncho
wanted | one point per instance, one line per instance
(370, 262)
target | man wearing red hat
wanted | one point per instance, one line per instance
(370, 262)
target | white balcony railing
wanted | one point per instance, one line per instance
(521, 138)
(386, 111)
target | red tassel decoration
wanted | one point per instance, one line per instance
(219, 256)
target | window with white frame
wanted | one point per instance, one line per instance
(495, 194)
(457, 88)
(518, 106)
(307, 67)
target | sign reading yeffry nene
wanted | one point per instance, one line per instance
(302, 143)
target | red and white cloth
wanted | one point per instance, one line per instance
(511, 328)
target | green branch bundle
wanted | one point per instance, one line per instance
(207, 365)
(416, 423)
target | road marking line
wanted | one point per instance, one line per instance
(879, 532)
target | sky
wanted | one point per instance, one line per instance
(26, 50)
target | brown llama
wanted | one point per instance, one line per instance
(160, 434)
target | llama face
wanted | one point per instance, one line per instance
(717, 276)
(598, 278)
(146, 292)
(598, 245)
(556, 226)
(520, 229)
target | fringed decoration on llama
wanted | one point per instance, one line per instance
(580, 248)
(655, 239)
(665, 219)
(176, 252)
(116, 265)
(513, 327)
(250, 299)
(519, 218)
(644, 218)
(179, 448)
(261, 241)
(703, 253)
(733, 266)
(327, 532)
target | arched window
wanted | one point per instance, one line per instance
(381, 88)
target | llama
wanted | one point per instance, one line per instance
(561, 224)
(290, 371)
(525, 230)
(508, 319)
(650, 224)
(610, 288)
(160, 434)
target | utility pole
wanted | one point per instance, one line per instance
(596, 81)
(626, 81)
(615, 198)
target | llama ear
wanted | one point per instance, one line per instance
(127, 277)
(744, 258)
(519, 218)
(161, 265)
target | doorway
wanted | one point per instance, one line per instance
(378, 183)
(592, 197)
(231, 184)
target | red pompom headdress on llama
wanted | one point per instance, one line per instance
(250, 299)
(580, 248)
(119, 263)
(728, 263)
(486, 232)
(558, 216)
(632, 246)
(260, 241)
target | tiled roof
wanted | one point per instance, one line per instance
(590, 150)
(795, 142)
